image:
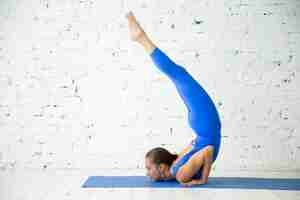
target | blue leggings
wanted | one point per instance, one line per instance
(203, 116)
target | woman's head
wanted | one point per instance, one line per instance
(158, 161)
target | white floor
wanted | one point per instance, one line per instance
(31, 184)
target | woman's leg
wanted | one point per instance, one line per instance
(192, 94)
(203, 115)
(182, 79)
(202, 112)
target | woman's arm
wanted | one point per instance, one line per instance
(203, 159)
(205, 173)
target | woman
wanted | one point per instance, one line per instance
(192, 165)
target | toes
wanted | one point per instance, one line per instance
(130, 15)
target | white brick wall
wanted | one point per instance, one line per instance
(76, 93)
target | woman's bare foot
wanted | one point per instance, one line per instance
(135, 30)
(138, 34)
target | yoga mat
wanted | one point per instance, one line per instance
(213, 182)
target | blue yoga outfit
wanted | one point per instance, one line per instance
(203, 116)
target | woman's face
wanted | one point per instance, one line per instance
(152, 170)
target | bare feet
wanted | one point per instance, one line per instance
(135, 30)
(138, 34)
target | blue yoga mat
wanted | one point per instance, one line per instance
(213, 182)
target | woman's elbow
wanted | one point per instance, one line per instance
(182, 178)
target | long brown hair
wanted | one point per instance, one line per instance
(161, 155)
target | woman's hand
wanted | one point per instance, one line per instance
(194, 182)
